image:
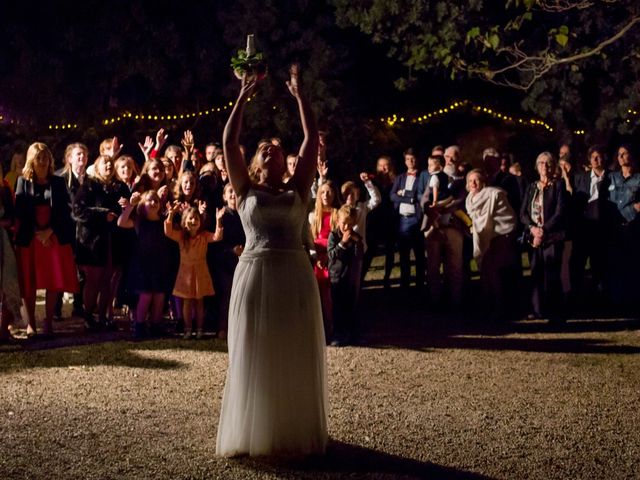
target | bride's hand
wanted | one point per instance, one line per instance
(248, 87)
(293, 83)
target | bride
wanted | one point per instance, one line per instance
(275, 396)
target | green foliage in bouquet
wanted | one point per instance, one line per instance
(245, 63)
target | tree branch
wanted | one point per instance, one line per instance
(559, 6)
(532, 67)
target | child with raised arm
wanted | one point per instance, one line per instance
(193, 282)
(149, 271)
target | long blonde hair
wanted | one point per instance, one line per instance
(131, 162)
(186, 236)
(179, 195)
(145, 183)
(96, 169)
(36, 149)
(316, 226)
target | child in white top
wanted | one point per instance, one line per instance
(351, 196)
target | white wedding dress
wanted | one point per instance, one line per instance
(275, 396)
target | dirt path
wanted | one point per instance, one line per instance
(425, 398)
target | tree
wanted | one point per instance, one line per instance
(98, 59)
(573, 60)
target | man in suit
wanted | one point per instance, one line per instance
(590, 240)
(406, 193)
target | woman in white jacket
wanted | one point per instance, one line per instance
(494, 239)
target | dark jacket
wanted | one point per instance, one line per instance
(94, 234)
(412, 196)
(221, 253)
(71, 182)
(382, 220)
(582, 193)
(514, 186)
(554, 210)
(61, 222)
(426, 198)
(344, 263)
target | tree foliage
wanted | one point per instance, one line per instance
(574, 60)
(96, 59)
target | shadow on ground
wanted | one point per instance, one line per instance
(393, 318)
(94, 351)
(356, 461)
(399, 319)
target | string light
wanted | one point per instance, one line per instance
(391, 120)
(426, 117)
(142, 116)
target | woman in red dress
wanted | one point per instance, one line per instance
(44, 232)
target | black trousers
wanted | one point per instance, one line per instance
(546, 262)
(589, 242)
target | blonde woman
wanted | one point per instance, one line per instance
(323, 220)
(17, 164)
(44, 234)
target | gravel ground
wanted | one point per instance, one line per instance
(426, 397)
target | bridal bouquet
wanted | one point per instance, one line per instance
(249, 62)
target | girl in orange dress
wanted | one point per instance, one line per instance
(193, 282)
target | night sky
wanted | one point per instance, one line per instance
(83, 64)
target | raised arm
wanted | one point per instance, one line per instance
(219, 233)
(308, 154)
(233, 159)
(169, 231)
(374, 194)
(146, 148)
(125, 220)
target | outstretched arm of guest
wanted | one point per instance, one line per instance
(219, 233)
(308, 154)
(169, 231)
(125, 220)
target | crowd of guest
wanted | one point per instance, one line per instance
(162, 241)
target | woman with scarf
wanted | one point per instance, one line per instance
(494, 240)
